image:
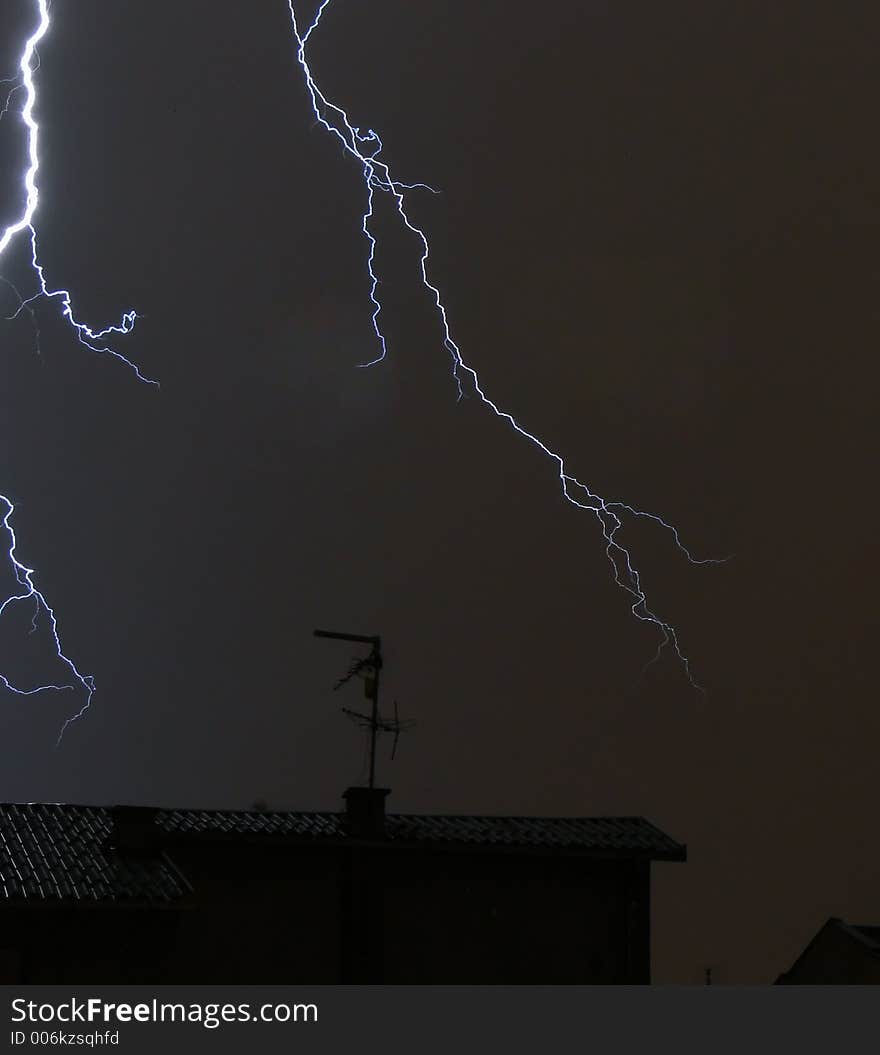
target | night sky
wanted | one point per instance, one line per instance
(658, 241)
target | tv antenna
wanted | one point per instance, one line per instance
(368, 668)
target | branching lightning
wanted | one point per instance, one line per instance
(25, 591)
(366, 149)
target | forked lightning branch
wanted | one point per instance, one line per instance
(364, 149)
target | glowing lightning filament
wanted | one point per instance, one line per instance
(25, 591)
(365, 149)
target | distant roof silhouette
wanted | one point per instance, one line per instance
(811, 964)
(60, 852)
(869, 936)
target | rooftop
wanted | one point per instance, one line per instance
(810, 967)
(59, 853)
(597, 836)
(54, 852)
(869, 936)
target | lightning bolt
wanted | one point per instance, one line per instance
(25, 590)
(365, 148)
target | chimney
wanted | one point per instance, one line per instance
(365, 812)
(134, 830)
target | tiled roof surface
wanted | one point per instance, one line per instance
(601, 834)
(59, 852)
(234, 822)
(51, 852)
(598, 835)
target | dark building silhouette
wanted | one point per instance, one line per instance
(129, 894)
(840, 954)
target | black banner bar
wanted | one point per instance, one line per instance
(448, 1019)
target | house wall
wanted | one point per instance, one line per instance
(264, 914)
(483, 919)
(366, 914)
(259, 915)
(45, 944)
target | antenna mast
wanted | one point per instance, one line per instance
(368, 667)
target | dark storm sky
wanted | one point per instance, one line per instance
(658, 241)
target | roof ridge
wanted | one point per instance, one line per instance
(640, 818)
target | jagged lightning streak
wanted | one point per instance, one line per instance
(94, 340)
(365, 149)
(25, 591)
